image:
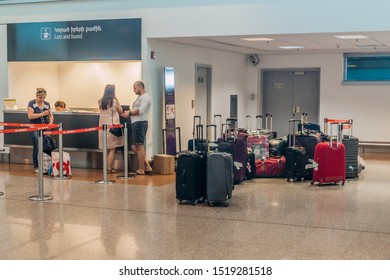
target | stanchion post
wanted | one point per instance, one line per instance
(61, 156)
(40, 196)
(125, 155)
(105, 177)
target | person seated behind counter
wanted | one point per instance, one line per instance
(60, 106)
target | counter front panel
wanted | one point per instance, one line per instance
(69, 120)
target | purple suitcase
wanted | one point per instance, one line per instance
(237, 147)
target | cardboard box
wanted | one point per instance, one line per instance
(164, 164)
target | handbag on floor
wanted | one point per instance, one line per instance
(49, 144)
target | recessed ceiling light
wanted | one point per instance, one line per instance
(351, 37)
(257, 39)
(290, 47)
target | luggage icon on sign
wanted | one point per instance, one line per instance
(45, 33)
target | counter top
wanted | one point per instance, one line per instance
(72, 112)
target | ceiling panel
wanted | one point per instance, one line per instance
(312, 43)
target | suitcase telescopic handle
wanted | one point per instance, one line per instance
(257, 122)
(194, 125)
(207, 132)
(248, 122)
(233, 121)
(268, 116)
(339, 135)
(291, 132)
(220, 122)
(304, 119)
(226, 131)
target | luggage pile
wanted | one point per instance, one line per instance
(208, 170)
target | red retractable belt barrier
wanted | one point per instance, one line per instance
(33, 127)
(346, 123)
(28, 127)
(81, 130)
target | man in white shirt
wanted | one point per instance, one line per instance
(139, 126)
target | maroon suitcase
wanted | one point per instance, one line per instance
(330, 157)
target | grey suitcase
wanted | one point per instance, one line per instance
(220, 178)
(351, 144)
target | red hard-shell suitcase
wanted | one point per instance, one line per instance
(330, 157)
(273, 167)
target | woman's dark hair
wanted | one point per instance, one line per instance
(108, 97)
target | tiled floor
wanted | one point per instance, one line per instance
(141, 219)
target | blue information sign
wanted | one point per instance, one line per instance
(116, 39)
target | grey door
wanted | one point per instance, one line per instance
(203, 93)
(286, 94)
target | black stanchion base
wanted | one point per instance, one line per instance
(40, 198)
(105, 182)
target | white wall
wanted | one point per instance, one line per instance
(229, 76)
(367, 105)
(82, 84)
(79, 84)
(24, 78)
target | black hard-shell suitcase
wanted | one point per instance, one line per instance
(220, 178)
(309, 142)
(191, 180)
(296, 158)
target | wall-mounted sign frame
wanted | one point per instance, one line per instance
(91, 40)
(170, 122)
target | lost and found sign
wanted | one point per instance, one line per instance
(117, 39)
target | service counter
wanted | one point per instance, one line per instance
(83, 147)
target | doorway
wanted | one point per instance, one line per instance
(287, 94)
(203, 93)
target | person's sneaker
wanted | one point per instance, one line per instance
(36, 170)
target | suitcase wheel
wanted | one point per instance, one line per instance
(225, 204)
(312, 183)
(210, 204)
